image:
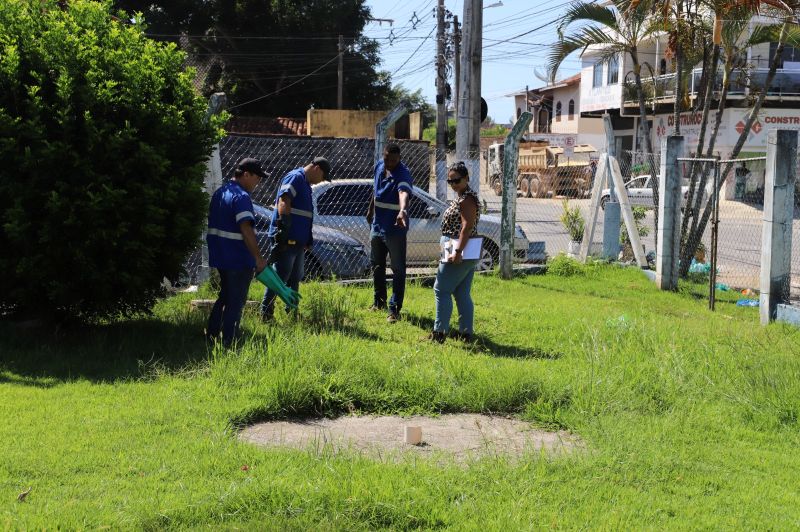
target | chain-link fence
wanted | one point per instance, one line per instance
(547, 178)
(739, 231)
(549, 184)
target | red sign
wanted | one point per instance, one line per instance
(740, 127)
(757, 127)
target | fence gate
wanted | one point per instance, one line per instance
(736, 235)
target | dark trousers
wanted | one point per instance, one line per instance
(227, 311)
(289, 263)
(395, 246)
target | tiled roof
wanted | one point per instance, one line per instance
(257, 125)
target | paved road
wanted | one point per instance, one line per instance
(739, 235)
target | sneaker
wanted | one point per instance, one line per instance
(393, 317)
(377, 308)
(436, 336)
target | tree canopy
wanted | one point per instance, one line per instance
(103, 144)
(280, 56)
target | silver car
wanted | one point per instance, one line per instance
(342, 205)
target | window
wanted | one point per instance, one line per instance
(571, 109)
(790, 53)
(345, 200)
(613, 71)
(662, 67)
(558, 112)
(597, 80)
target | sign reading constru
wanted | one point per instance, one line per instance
(732, 125)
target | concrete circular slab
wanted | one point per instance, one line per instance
(462, 435)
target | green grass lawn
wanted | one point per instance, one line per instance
(690, 418)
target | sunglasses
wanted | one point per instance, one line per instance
(454, 181)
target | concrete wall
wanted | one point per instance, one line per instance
(344, 123)
(415, 126)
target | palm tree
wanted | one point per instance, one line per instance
(735, 42)
(616, 29)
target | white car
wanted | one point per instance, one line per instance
(640, 192)
(342, 205)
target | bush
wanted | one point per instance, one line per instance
(103, 143)
(564, 266)
(573, 221)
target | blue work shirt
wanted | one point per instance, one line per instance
(387, 198)
(230, 206)
(296, 186)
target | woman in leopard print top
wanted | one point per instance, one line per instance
(454, 278)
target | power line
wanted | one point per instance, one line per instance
(334, 58)
(414, 53)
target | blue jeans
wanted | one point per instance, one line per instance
(227, 311)
(454, 280)
(395, 246)
(289, 266)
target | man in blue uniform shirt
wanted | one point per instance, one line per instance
(388, 215)
(233, 248)
(290, 227)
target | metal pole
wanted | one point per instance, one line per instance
(340, 92)
(509, 207)
(712, 288)
(441, 107)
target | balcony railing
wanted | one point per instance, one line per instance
(662, 88)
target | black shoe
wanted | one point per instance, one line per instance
(468, 338)
(436, 336)
(393, 317)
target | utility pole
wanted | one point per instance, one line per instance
(456, 62)
(469, 104)
(340, 92)
(441, 107)
(463, 113)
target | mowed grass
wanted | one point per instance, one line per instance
(690, 418)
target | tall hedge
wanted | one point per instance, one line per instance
(103, 143)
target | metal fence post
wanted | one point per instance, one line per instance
(509, 207)
(382, 127)
(776, 236)
(213, 178)
(668, 238)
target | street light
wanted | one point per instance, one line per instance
(496, 4)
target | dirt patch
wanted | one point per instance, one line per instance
(461, 435)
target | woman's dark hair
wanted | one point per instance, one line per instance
(460, 168)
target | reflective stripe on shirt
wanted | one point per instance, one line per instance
(244, 214)
(389, 206)
(225, 234)
(290, 188)
(301, 212)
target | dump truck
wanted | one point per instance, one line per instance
(544, 171)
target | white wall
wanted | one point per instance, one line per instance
(602, 97)
(564, 95)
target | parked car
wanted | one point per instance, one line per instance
(640, 192)
(342, 205)
(332, 254)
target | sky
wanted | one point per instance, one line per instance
(510, 60)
